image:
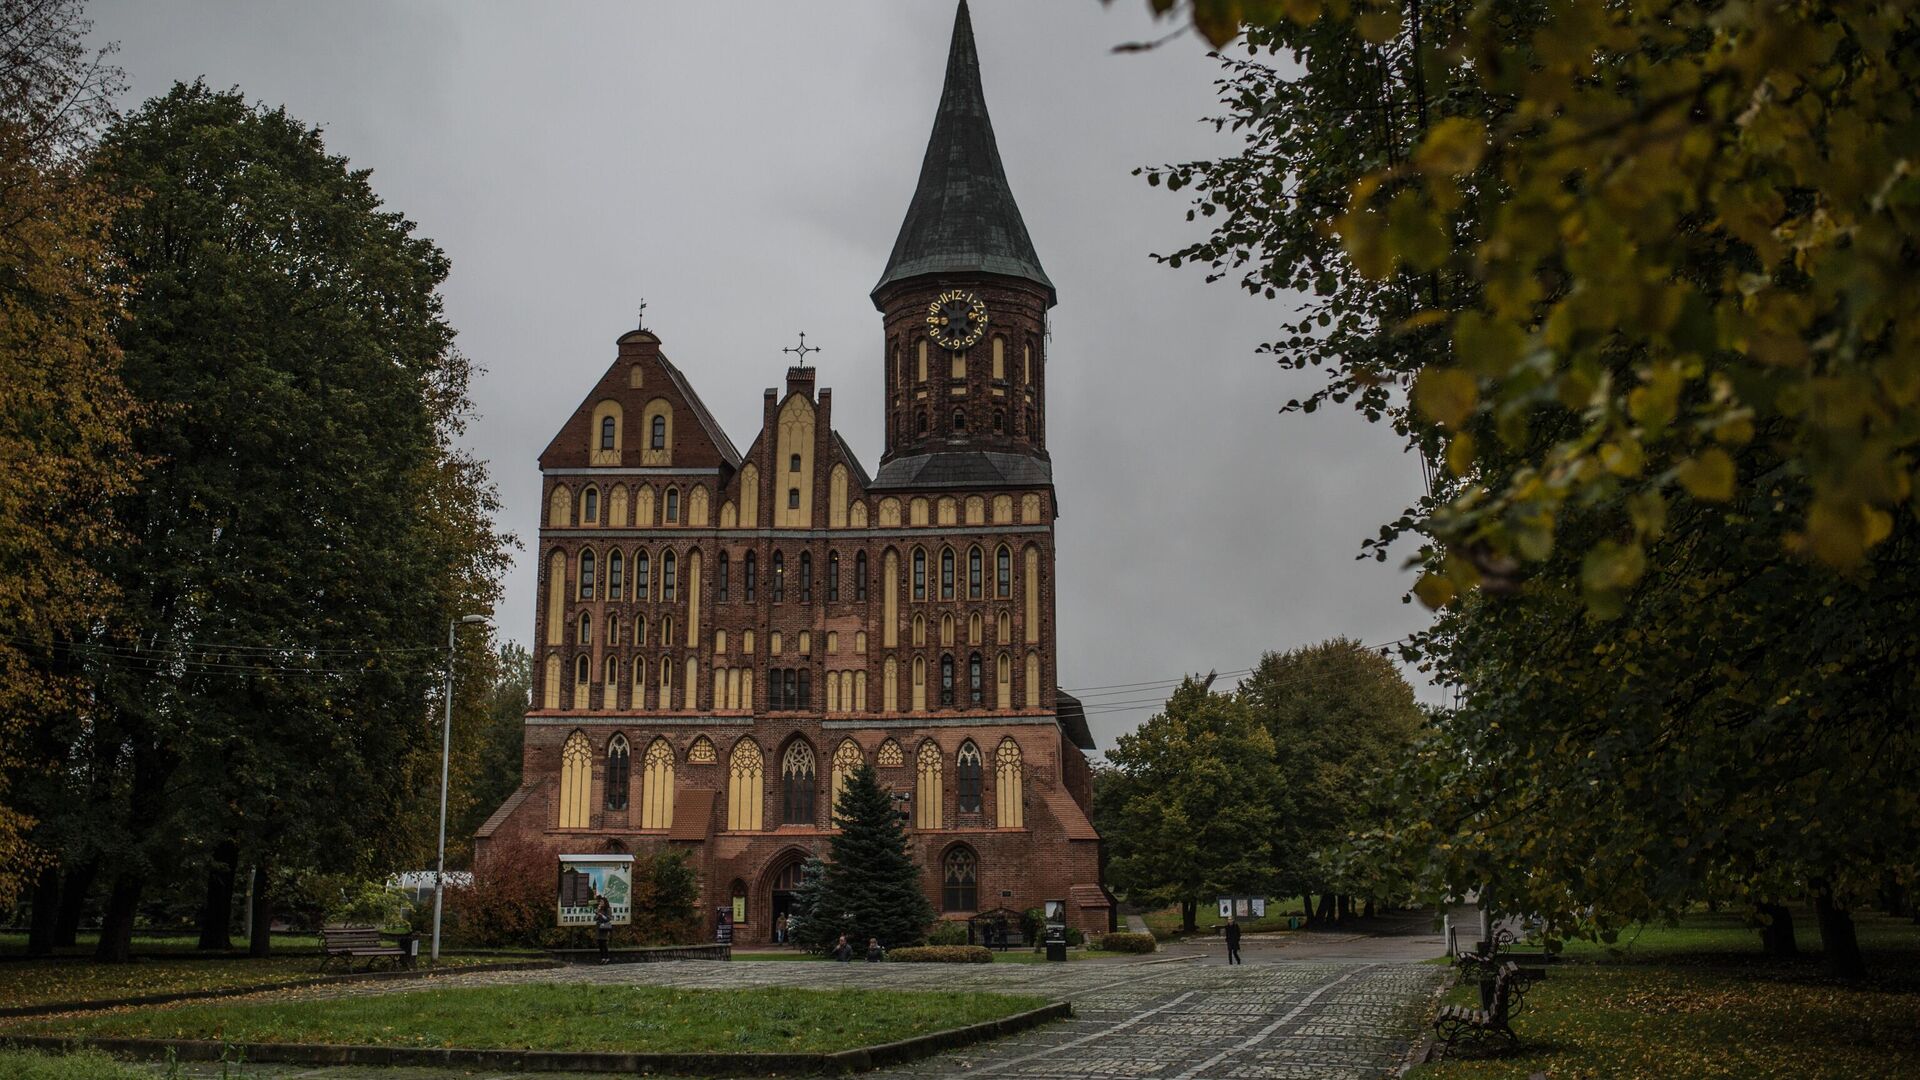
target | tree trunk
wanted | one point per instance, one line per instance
(75, 885)
(46, 913)
(116, 925)
(1324, 914)
(216, 910)
(1837, 938)
(1776, 931)
(1342, 909)
(1893, 895)
(1189, 915)
(1367, 912)
(262, 939)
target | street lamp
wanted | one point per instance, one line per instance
(446, 752)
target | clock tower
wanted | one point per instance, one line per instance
(964, 306)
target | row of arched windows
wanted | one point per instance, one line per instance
(619, 508)
(799, 781)
(957, 361)
(956, 681)
(616, 511)
(957, 581)
(627, 577)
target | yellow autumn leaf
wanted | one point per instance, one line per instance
(1454, 146)
(1445, 395)
(1709, 475)
(1433, 590)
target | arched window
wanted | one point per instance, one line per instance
(919, 684)
(919, 574)
(777, 580)
(999, 422)
(656, 787)
(616, 574)
(1003, 682)
(926, 786)
(859, 576)
(666, 677)
(639, 678)
(642, 587)
(617, 765)
(746, 786)
(658, 439)
(581, 674)
(975, 568)
(946, 680)
(590, 506)
(793, 463)
(923, 423)
(976, 689)
(967, 767)
(846, 758)
(613, 631)
(666, 630)
(673, 505)
(722, 583)
(793, 498)
(606, 433)
(753, 575)
(1003, 572)
(919, 629)
(576, 781)
(806, 577)
(959, 881)
(586, 574)
(833, 577)
(669, 587)
(613, 676)
(1009, 803)
(946, 573)
(640, 630)
(797, 784)
(959, 420)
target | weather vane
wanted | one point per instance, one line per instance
(640, 320)
(801, 350)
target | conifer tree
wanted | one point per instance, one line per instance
(871, 885)
(802, 929)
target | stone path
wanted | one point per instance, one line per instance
(1329, 1007)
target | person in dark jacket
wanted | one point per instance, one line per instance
(1233, 941)
(842, 951)
(603, 927)
(875, 953)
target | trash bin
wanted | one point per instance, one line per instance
(1057, 950)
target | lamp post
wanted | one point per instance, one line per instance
(446, 753)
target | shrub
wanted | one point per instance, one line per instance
(1075, 936)
(943, 954)
(1033, 923)
(372, 903)
(511, 902)
(947, 933)
(1127, 943)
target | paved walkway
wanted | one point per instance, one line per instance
(1330, 1007)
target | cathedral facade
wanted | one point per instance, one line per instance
(724, 636)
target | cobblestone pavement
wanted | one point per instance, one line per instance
(1325, 1017)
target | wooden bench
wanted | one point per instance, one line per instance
(349, 942)
(1465, 1024)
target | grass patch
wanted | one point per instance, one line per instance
(1011, 956)
(1700, 1000)
(85, 1065)
(569, 1017)
(1165, 923)
(46, 982)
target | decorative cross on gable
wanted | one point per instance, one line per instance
(801, 350)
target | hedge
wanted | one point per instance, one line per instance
(1133, 943)
(943, 954)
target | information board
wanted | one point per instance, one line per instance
(584, 879)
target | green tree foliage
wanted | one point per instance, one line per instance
(1341, 719)
(308, 528)
(802, 929)
(1640, 281)
(870, 886)
(65, 416)
(1189, 808)
(496, 744)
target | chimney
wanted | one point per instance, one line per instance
(800, 381)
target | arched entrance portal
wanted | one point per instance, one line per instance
(786, 879)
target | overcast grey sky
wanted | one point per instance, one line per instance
(744, 166)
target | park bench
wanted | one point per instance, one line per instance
(1465, 1024)
(350, 942)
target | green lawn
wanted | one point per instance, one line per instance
(15, 943)
(1011, 956)
(567, 1017)
(1699, 1000)
(86, 1065)
(41, 982)
(1165, 923)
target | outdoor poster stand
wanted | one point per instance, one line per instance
(584, 879)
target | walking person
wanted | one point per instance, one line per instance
(603, 927)
(780, 930)
(1233, 941)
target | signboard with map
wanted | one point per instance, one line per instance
(584, 879)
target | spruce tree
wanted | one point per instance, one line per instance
(802, 929)
(871, 886)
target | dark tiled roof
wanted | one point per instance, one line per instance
(1073, 719)
(963, 218)
(707, 423)
(963, 468)
(853, 462)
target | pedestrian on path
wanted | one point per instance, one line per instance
(780, 930)
(875, 953)
(842, 951)
(603, 927)
(1233, 941)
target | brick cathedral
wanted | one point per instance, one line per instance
(724, 636)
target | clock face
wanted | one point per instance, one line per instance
(956, 319)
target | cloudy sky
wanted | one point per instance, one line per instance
(744, 167)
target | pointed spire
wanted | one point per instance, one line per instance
(963, 218)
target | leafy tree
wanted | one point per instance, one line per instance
(1189, 810)
(870, 886)
(496, 744)
(308, 530)
(1341, 718)
(65, 420)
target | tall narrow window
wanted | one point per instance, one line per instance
(778, 581)
(576, 781)
(793, 498)
(797, 784)
(976, 690)
(642, 587)
(721, 584)
(585, 637)
(746, 786)
(658, 438)
(590, 506)
(833, 577)
(975, 561)
(859, 575)
(613, 634)
(923, 423)
(946, 680)
(959, 881)
(946, 573)
(793, 463)
(967, 766)
(640, 630)
(926, 787)
(616, 574)
(656, 787)
(617, 765)
(1009, 801)
(999, 421)
(959, 421)
(669, 587)
(846, 759)
(919, 574)
(606, 433)
(586, 574)
(806, 577)
(673, 505)
(1003, 573)
(753, 575)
